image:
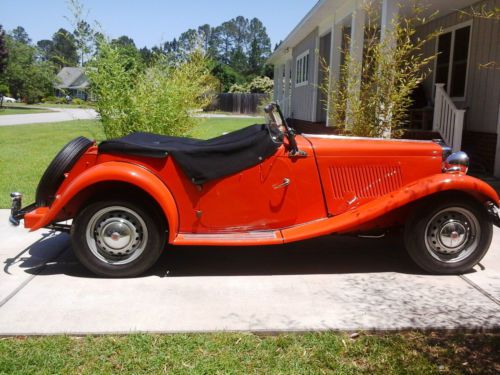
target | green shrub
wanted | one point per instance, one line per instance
(61, 100)
(258, 85)
(49, 99)
(159, 98)
(78, 101)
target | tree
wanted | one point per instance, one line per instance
(4, 53)
(64, 51)
(205, 36)
(146, 55)
(124, 41)
(239, 48)
(260, 47)
(27, 76)
(20, 35)
(44, 49)
(238, 60)
(188, 42)
(84, 38)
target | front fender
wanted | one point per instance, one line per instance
(355, 217)
(111, 171)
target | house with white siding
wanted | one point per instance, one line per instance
(460, 98)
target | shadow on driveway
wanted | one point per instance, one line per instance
(326, 255)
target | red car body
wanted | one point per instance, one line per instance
(337, 185)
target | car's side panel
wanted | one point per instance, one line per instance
(245, 201)
(112, 171)
(359, 215)
(355, 171)
(279, 192)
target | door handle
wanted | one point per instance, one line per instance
(286, 182)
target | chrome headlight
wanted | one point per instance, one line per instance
(456, 162)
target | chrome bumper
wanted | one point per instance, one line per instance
(494, 214)
(16, 212)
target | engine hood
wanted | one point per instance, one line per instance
(334, 145)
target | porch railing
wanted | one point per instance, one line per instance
(448, 119)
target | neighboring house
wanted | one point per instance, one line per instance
(462, 98)
(73, 82)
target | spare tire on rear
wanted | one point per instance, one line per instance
(61, 164)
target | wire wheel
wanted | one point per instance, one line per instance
(116, 235)
(452, 234)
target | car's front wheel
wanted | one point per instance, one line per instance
(448, 237)
(117, 238)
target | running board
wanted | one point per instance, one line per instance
(230, 239)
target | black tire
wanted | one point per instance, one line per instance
(86, 233)
(62, 163)
(433, 224)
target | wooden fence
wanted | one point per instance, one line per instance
(239, 103)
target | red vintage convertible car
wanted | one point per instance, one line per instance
(261, 185)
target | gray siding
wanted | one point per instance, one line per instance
(303, 96)
(483, 84)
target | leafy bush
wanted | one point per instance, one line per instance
(158, 98)
(61, 100)
(49, 99)
(259, 85)
(78, 101)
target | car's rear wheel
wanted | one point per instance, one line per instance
(448, 237)
(118, 238)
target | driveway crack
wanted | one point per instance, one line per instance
(480, 290)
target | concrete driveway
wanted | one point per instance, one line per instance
(57, 115)
(324, 284)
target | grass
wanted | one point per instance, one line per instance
(241, 353)
(20, 110)
(26, 150)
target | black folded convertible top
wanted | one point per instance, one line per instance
(203, 160)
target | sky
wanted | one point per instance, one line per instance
(150, 22)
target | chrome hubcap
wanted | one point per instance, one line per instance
(452, 234)
(116, 235)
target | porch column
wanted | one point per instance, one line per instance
(356, 49)
(286, 99)
(276, 81)
(335, 58)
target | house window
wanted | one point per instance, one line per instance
(302, 69)
(452, 60)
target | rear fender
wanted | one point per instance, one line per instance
(108, 172)
(357, 216)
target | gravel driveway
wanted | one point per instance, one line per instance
(340, 283)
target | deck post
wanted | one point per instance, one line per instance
(438, 105)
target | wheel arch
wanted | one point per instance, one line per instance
(89, 184)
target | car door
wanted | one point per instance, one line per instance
(259, 198)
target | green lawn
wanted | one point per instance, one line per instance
(240, 353)
(26, 150)
(21, 110)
